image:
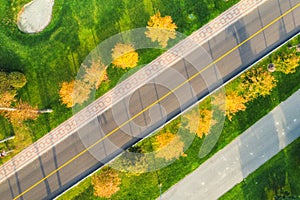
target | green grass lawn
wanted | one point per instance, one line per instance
(281, 173)
(146, 186)
(55, 55)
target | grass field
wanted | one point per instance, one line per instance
(278, 175)
(55, 55)
(146, 186)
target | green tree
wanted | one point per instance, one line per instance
(17, 79)
(132, 163)
(4, 82)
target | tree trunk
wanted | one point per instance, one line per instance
(35, 111)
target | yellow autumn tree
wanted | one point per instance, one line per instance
(233, 103)
(200, 122)
(81, 92)
(16, 111)
(74, 92)
(22, 111)
(287, 63)
(169, 146)
(77, 92)
(65, 93)
(106, 183)
(257, 82)
(6, 98)
(124, 56)
(161, 29)
(95, 74)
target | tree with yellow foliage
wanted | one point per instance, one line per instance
(65, 93)
(6, 98)
(23, 111)
(16, 111)
(200, 122)
(161, 29)
(169, 146)
(124, 56)
(77, 92)
(257, 82)
(74, 92)
(287, 63)
(233, 103)
(95, 74)
(106, 183)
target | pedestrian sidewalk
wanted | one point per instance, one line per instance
(243, 155)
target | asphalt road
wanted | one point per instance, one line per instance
(166, 109)
(242, 156)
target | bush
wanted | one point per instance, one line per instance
(4, 81)
(17, 79)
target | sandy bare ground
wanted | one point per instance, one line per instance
(35, 16)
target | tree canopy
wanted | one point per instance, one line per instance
(168, 146)
(287, 63)
(95, 74)
(78, 91)
(22, 111)
(257, 82)
(17, 80)
(65, 93)
(124, 56)
(233, 103)
(16, 111)
(11, 81)
(132, 163)
(200, 122)
(106, 183)
(161, 29)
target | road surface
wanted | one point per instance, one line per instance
(63, 165)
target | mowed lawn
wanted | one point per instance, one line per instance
(55, 55)
(279, 174)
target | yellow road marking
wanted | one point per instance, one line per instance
(151, 105)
